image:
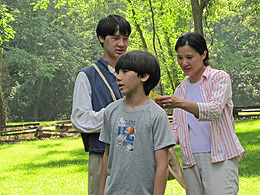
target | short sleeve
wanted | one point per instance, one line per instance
(162, 132)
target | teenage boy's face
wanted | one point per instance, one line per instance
(114, 46)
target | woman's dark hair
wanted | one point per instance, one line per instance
(111, 24)
(196, 41)
(143, 63)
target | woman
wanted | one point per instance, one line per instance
(203, 124)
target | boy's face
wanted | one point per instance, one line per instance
(114, 46)
(129, 83)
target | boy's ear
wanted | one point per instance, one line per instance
(101, 39)
(145, 78)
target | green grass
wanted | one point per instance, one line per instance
(248, 132)
(43, 167)
(59, 167)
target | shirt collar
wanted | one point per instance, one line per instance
(105, 64)
(111, 69)
(206, 73)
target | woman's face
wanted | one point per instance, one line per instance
(191, 62)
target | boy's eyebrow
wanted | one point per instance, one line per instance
(119, 35)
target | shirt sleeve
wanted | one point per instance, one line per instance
(174, 128)
(84, 119)
(220, 93)
(106, 129)
(162, 132)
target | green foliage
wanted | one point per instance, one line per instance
(252, 12)
(235, 49)
(50, 47)
(6, 31)
(160, 24)
(55, 39)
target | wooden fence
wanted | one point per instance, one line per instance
(238, 112)
(246, 111)
(35, 131)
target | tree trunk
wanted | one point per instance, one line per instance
(36, 101)
(197, 11)
(2, 115)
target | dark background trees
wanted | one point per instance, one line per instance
(55, 39)
(6, 33)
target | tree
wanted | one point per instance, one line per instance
(6, 33)
(197, 11)
(55, 39)
(236, 50)
(252, 12)
(156, 26)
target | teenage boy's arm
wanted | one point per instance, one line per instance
(84, 119)
(104, 170)
(161, 157)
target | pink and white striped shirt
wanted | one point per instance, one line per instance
(217, 108)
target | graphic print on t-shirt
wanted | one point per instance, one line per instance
(126, 133)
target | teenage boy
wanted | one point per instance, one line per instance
(91, 95)
(136, 131)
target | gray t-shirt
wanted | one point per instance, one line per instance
(134, 136)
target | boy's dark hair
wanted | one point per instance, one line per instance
(111, 24)
(142, 63)
(196, 41)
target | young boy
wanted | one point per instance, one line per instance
(136, 131)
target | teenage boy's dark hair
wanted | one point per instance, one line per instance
(111, 24)
(142, 63)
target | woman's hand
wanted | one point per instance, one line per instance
(167, 101)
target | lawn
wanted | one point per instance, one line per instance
(59, 167)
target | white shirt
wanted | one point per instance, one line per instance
(199, 131)
(84, 119)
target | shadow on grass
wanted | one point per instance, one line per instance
(78, 158)
(50, 145)
(249, 167)
(60, 154)
(250, 163)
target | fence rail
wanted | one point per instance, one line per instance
(34, 131)
(246, 111)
